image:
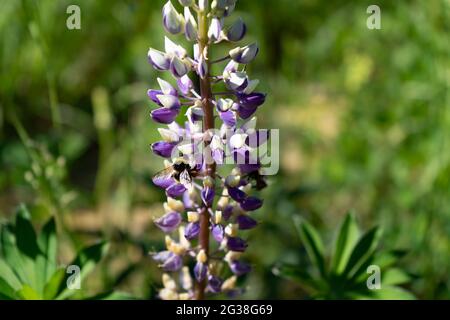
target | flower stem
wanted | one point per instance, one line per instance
(208, 123)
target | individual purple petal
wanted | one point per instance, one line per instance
(169, 222)
(158, 59)
(190, 28)
(163, 182)
(228, 117)
(192, 230)
(202, 67)
(153, 95)
(177, 67)
(200, 271)
(187, 201)
(231, 66)
(236, 244)
(162, 256)
(246, 222)
(185, 84)
(217, 232)
(249, 167)
(175, 190)
(218, 156)
(173, 263)
(164, 115)
(214, 284)
(251, 100)
(167, 88)
(246, 113)
(215, 29)
(237, 31)
(246, 54)
(208, 196)
(163, 149)
(173, 22)
(237, 194)
(227, 212)
(169, 101)
(240, 268)
(251, 204)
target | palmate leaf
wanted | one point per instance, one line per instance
(313, 244)
(394, 276)
(52, 287)
(345, 242)
(362, 251)
(8, 276)
(86, 260)
(294, 273)
(46, 262)
(28, 293)
(392, 293)
(6, 291)
(11, 255)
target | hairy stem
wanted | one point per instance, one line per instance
(208, 123)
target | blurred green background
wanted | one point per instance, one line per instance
(364, 119)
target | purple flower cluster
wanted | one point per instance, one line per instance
(198, 198)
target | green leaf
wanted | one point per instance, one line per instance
(392, 293)
(8, 275)
(6, 291)
(297, 275)
(388, 258)
(46, 262)
(25, 234)
(53, 285)
(394, 276)
(86, 260)
(313, 244)
(11, 254)
(28, 293)
(346, 240)
(362, 251)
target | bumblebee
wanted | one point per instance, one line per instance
(256, 179)
(180, 170)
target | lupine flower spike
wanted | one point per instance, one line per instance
(206, 215)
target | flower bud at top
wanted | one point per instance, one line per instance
(244, 55)
(173, 21)
(190, 29)
(237, 31)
